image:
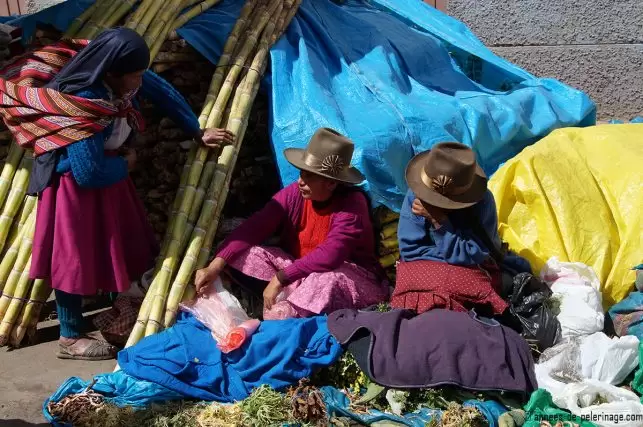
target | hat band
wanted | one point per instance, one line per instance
(443, 184)
(331, 165)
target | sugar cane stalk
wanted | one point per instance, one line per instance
(15, 306)
(23, 257)
(100, 20)
(166, 19)
(192, 13)
(150, 13)
(28, 207)
(176, 205)
(9, 259)
(92, 23)
(119, 13)
(258, 24)
(16, 196)
(79, 21)
(228, 50)
(28, 318)
(9, 170)
(135, 18)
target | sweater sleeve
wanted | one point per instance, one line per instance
(345, 232)
(164, 96)
(414, 239)
(419, 240)
(258, 227)
(458, 246)
(89, 165)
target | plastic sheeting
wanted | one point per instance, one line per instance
(577, 195)
(118, 388)
(338, 405)
(122, 390)
(396, 77)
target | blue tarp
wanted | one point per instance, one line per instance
(118, 388)
(124, 390)
(338, 405)
(396, 76)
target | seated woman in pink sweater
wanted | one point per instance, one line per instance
(327, 257)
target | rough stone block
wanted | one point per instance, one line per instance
(611, 75)
(37, 5)
(551, 22)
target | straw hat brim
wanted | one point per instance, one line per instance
(473, 195)
(350, 175)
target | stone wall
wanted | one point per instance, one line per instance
(36, 5)
(593, 45)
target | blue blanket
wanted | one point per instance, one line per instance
(185, 358)
(396, 76)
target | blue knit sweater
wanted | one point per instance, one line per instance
(86, 159)
(454, 242)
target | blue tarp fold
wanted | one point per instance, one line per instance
(395, 76)
(124, 390)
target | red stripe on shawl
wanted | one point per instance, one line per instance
(33, 114)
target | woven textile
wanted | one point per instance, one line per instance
(44, 119)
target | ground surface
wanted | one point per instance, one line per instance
(31, 374)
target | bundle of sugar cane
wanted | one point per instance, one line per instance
(207, 174)
(20, 297)
(155, 20)
(386, 221)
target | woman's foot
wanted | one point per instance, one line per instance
(85, 348)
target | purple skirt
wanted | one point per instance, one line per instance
(90, 240)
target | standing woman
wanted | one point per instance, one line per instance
(92, 232)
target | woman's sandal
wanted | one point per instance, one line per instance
(97, 350)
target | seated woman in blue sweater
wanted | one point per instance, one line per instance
(451, 254)
(91, 232)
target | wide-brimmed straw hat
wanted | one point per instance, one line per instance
(447, 176)
(328, 154)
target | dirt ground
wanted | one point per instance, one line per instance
(32, 373)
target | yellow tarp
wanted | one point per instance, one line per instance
(577, 194)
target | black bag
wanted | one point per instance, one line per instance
(527, 304)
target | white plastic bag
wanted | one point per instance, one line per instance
(596, 358)
(622, 409)
(218, 310)
(607, 359)
(577, 287)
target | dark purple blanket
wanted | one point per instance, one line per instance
(436, 348)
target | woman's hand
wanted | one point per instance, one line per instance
(437, 216)
(217, 138)
(271, 292)
(204, 277)
(130, 158)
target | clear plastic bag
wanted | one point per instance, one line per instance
(564, 361)
(222, 313)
